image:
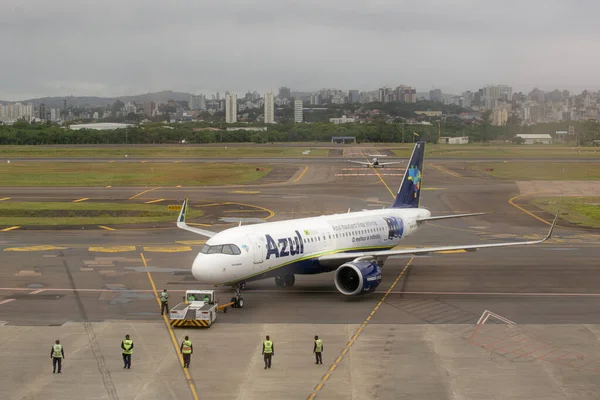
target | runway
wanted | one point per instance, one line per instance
(418, 336)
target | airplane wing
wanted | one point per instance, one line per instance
(427, 250)
(181, 223)
(360, 162)
(448, 217)
(390, 163)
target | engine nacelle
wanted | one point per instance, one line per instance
(357, 277)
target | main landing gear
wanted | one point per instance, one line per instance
(238, 301)
(285, 280)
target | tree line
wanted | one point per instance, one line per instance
(23, 133)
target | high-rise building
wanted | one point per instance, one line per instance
(353, 97)
(43, 112)
(230, 108)
(406, 94)
(298, 111)
(55, 114)
(435, 95)
(150, 109)
(499, 117)
(284, 93)
(197, 102)
(269, 108)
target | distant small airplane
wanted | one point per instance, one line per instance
(375, 163)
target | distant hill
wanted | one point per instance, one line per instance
(92, 101)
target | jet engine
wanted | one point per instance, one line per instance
(357, 277)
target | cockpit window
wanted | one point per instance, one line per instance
(230, 249)
(215, 249)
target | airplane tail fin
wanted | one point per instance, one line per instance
(409, 192)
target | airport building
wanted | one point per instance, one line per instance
(342, 120)
(101, 126)
(453, 140)
(543, 138)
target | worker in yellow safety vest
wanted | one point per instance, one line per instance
(57, 354)
(186, 349)
(268, 351)
(127, 346)
(318, 349)
(164, 301)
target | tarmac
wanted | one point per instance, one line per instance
(501, 323)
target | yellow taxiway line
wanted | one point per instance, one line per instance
(511, 201)
(153, 201)
(188, 378)
(301, 175)
(141, 193)
(354, 337)
(82, 199)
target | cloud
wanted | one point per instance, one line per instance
(114, 48)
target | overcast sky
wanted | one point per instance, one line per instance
(124, 47)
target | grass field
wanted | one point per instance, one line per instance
(501, 152)
(51, 213)
(167, 151)
(126, 174)
(583, 211)
(540, 171)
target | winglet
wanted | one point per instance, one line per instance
(181, 218)
(551, 227)
(181, 223)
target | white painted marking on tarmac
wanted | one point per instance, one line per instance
(486, 314)
(560, 248)
(6, 301)
(37, 291)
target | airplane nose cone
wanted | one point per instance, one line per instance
(201, 270)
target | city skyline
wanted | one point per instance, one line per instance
(451, 45)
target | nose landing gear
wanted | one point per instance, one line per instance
(285, 280)
(238, 301)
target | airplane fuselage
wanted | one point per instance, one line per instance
(254, 252)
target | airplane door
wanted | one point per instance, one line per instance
(258, 249)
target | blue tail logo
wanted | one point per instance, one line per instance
(414, 175)
(409, 192)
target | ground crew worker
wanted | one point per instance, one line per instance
(57, 354)
(127, 346)
(206, 299)
(186, 349)
(318, 349)
(268, 351)
(164, 301)
(191, 297)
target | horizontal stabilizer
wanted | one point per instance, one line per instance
(448, 217)
(181, 223)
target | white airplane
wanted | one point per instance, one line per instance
(375, 163)
(355, 245)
